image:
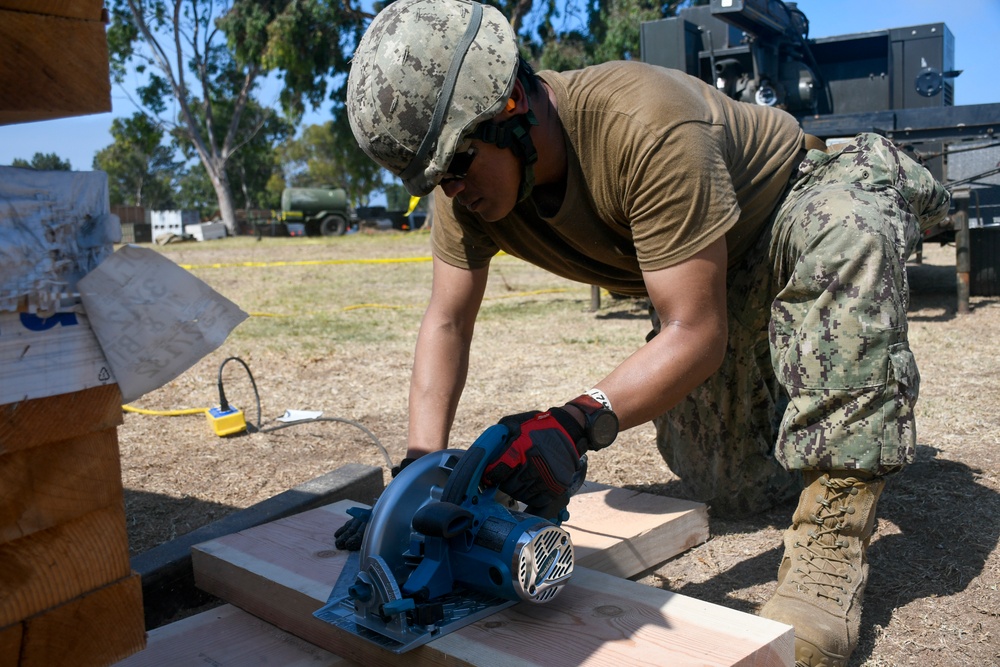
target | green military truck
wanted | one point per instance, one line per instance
(315, 211)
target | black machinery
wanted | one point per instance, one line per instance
(897, 82)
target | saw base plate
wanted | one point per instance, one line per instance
(461, 608)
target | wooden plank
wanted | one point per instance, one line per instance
(283, 571)
(88, 10)
(10, 645)
(45, 486)
(623, 532)
(45, 420)
(53, 566)
(53, 67)
(229, 637)
(95, 629)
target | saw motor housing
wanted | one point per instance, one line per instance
(490, 549)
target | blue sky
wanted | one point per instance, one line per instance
(975, 25)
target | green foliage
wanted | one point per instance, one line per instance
(251, 168)
(194, 191)
(140, 168)
(309, 42)
(617, 28)
(43, 162)
(603, 30)
(396, 198)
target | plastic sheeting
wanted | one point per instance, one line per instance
(55, 227)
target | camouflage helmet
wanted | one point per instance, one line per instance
(425, 74)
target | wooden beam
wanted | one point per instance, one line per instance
(96, 629)
(283, 571)
(45, 420)
(53, 566)
(53, 67)
(45, 486)
(88, 10)
(624, 533)
(66, 593)
(10, 645)
(229, 637)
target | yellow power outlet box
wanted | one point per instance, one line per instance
(226, 422)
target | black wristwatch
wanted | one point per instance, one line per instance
(600, 423)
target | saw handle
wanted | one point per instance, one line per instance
(464, 480)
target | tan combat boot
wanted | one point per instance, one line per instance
(822, 576)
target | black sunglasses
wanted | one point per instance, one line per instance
(459, 165)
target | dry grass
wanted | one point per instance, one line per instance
(338, 337)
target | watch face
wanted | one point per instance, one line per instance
(603, 428)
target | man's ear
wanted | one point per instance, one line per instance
(517, 103)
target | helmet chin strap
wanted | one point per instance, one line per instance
(514, 133)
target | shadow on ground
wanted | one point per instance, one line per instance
(948, 524)
(934, 293)
(163, 518)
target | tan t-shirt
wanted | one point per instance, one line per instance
(659, 166)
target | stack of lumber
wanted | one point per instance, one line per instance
(67, 594)
(274, 576)
(53, 60)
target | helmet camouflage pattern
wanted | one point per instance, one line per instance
(425, 74)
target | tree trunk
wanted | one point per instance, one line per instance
(220, 181)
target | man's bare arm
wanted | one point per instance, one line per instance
(441, 360)
(690, 298)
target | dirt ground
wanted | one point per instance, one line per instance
(333, 328)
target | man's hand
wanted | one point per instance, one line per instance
(349, 536)
(541, 462)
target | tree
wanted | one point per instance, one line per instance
(615, 29)
(194, 191)
(250, 169)
(196, 55)
(43, 162)
(603, 30)
(141, 170)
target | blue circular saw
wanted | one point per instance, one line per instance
(440, 553)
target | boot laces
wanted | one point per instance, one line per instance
(824, 567)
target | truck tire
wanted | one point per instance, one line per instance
(333, 225)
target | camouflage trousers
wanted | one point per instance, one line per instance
(818, 373)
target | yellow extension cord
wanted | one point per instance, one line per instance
(165, 413)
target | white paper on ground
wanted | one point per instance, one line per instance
(300, 415)
(153, 319)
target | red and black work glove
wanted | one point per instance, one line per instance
(541, 461)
